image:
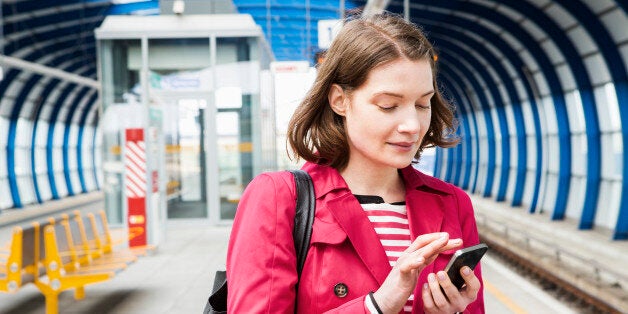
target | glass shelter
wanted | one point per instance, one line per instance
(192, 83)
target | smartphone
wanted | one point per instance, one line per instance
(464, 257)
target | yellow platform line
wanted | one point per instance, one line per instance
(508, 302)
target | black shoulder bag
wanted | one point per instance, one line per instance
(302, 233)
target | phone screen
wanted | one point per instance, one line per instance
(464, 257)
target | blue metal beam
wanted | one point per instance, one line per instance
(12, 135)
(490, 132)
(583, 83)
(66, 138)
(477, 67)
(151, 6)
(437, 162)
(464, 163)
(438, 32)
(458, 156)
(79, 147)
(50, 138)
(619, 75)
(44, 95)
(463, 99)
(450, 163)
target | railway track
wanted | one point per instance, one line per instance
(573, 295)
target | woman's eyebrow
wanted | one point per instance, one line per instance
(387, 94)
(392, 94)
(428, 93)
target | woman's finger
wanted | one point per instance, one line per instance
(440, 301)
(431, 251)
(472, 283)
(411, 261)
(449, 289)
(426, 239)
(428, 301)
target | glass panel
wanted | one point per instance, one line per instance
(237, 115)
(229, 162)
(121, 62)
(185, 156)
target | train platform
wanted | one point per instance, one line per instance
(587, 264)
(177, 277)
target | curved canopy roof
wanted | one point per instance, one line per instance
(514, 61)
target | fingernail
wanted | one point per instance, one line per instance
(425, 286)
(466, 270)
(443, 236)
(441, 275)
(456, 241)
(420, 259)
(431, 278)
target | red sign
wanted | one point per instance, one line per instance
(135, 189)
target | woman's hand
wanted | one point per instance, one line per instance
(452, 300)
(402, 279)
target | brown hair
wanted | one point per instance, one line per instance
(316, 133)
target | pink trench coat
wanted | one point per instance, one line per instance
(261, 262)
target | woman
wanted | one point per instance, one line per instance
(383, 232)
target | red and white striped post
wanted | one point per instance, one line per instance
(135, 166)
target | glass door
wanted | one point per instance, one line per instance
(185, 160)
(208, 152)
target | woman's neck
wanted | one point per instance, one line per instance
(384, 182)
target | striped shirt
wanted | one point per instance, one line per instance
(390, 221)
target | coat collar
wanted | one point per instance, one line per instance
(328, 179)
(425, 211)
(416, 180)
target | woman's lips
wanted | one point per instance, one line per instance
(402, 145)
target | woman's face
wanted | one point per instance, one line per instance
(387, 117)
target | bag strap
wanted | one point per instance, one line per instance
(304, 216)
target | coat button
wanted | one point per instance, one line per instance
(341, 290)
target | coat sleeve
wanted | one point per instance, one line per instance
(261, 262)
(470, 237)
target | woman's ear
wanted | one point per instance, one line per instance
(337, 99)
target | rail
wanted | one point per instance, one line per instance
(569, 274)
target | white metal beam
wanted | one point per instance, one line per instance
(7, 61)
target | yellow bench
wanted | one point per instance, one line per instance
(85, 250)
(63, 272)
(22, 264)
(11, 265)
(107, 241)
(62, 254)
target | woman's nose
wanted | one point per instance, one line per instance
(409, 123)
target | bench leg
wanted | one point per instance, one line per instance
(52, 303)
(79, 293)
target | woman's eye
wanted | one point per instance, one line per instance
(424, 107)
(387, 107)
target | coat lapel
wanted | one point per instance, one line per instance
(351, 217)
(426, 203)
(425, 212)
